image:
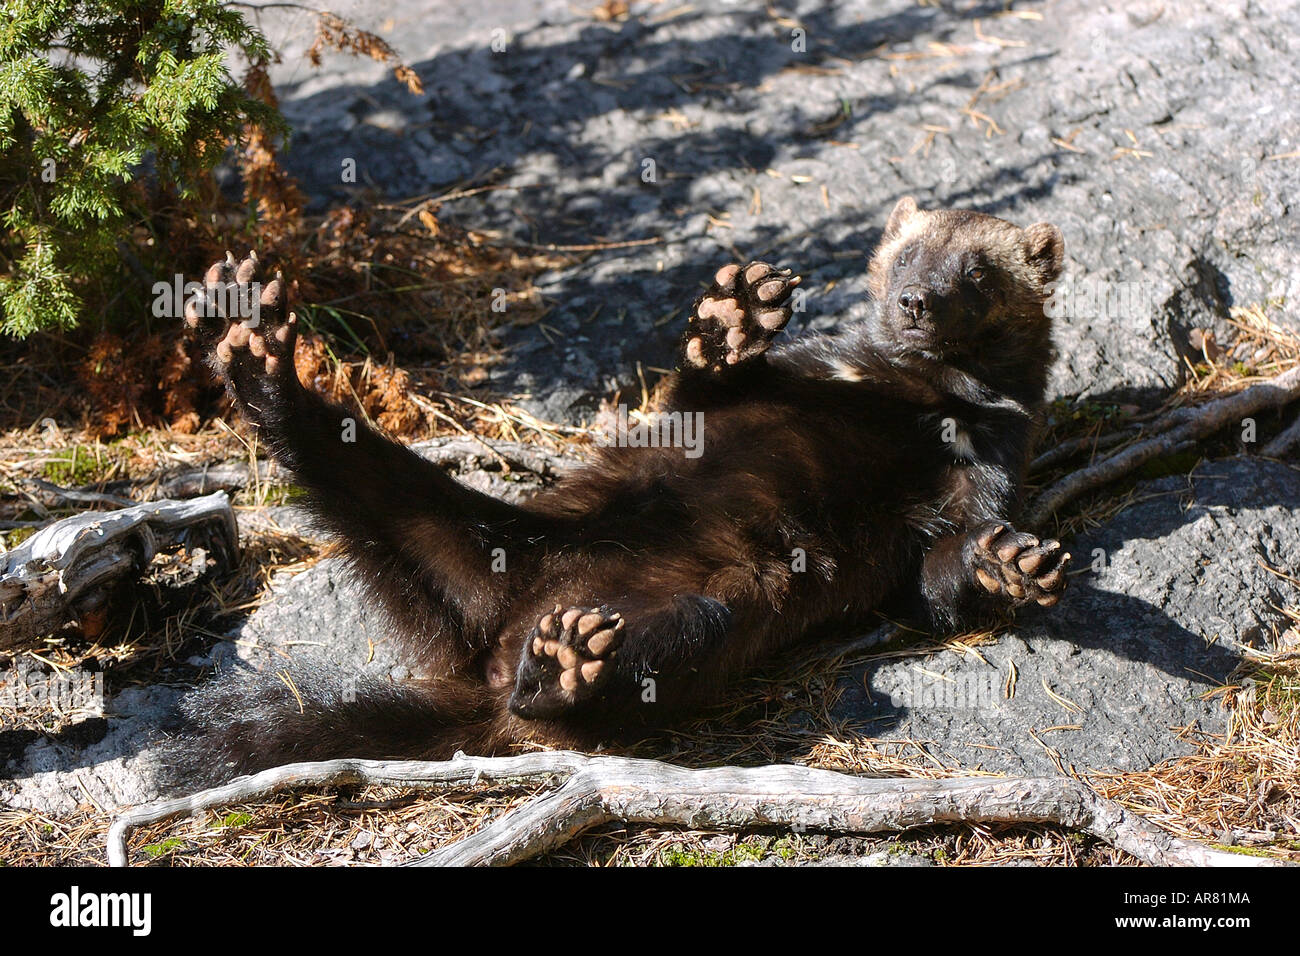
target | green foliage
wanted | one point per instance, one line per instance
(100, 99)
(749, 851)
(12, 539)
(156, 850)
(76, 466)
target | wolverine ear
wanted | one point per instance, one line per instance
(903, 211)
(1045, 248)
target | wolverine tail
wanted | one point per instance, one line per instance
(240, 723)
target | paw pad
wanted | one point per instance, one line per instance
(245, 317)
(566, 659)
(1019, 565)
(737, 318)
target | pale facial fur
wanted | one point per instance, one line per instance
(944, 278)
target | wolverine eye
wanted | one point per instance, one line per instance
(975, 274)
(902, 258)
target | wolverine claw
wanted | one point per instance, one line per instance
(1016, 564)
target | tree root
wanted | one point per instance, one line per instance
(596, 790)
(1184, 426)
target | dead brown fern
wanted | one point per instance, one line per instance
(335, 33)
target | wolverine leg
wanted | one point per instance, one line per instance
(430, 548)
(967, 577)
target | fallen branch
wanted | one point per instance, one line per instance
(77, 496)
(228, 476)
(1284, 441)
(71, 560)
(457, 454)
(474, 453)
(1188, 425)
(598, 790)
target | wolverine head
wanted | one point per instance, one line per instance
(948, 280)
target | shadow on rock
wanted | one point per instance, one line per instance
(1123, 672)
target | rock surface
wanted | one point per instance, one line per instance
(1152, 624)
(1160, 137)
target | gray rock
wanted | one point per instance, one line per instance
(1134, 647)
(1166, 228)
(55, 778)
(316, 614)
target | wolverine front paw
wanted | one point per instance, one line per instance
(1020, 567)
(737, 318)
(566, 660)
(245, 321)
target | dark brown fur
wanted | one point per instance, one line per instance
(828, 447)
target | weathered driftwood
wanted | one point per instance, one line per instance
(458, 454)
(76, 496)
(468, 454)
(229, 476)
(43, 578)
(597, 790)
(1185, 425)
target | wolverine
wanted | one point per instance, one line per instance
(837, 476)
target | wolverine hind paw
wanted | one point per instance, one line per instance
(566, 660)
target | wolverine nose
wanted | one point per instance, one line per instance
(914, 301)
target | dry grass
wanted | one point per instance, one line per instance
(1240, 790)
(370, 825)
(35, 838)
(361, 826)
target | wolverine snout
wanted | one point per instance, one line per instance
(915, 302)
